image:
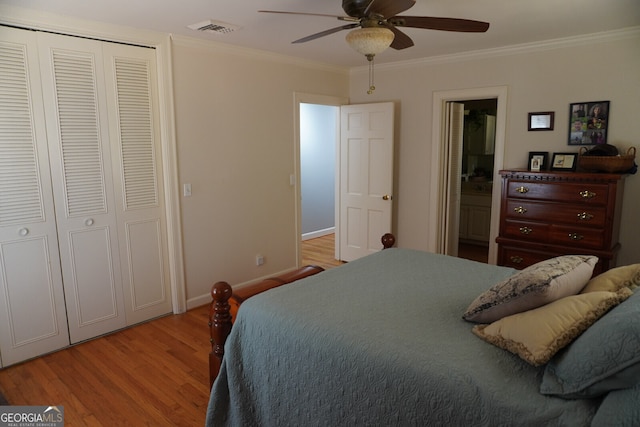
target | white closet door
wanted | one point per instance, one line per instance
(32, 312)
(135, 136)
(77, 129)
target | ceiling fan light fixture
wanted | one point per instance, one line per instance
(369, 41)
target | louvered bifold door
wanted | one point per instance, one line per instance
(81, 169)
(137, 174)
(32, 312)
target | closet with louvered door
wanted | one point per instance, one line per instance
(135, 141)
(74, 93)
(33, 320)
(105, 183)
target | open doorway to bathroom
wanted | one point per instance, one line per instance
(476, 180)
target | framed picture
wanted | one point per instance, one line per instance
(541, 121)
(538, 160)
(564, 161)
(588, 123)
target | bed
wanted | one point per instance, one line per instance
(382, 341)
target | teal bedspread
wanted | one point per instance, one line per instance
(378, 342)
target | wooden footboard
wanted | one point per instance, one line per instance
(223, 299)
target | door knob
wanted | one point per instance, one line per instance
(23, 231)
(88, 222)
(387, 197)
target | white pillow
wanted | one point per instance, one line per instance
(532, 287)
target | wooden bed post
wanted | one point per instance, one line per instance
(388, 240)
(219, 326)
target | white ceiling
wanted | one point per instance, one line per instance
(512, 22)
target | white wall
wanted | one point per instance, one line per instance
(235, 138)
(539, 78)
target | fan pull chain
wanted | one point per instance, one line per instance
(372, 87)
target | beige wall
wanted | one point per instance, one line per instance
(234, 128)
(541, 79)
(235, 140)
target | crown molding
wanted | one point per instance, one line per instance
(49, 22)
(519, 49)
(44, 21)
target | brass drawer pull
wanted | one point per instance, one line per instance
(587, 194)
(585, 216)
(525, 230)
(522, 189)
(520, 210)
(516, 259)
(576, 236)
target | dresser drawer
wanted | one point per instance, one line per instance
(521, 258)
(593, 194)
(556, 213)
(580, 238)
(526, 231)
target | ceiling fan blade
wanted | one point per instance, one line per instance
(443, 24)
(388, 8)
(385, 8)
(401, 40)
(325, 33)
(341, 18)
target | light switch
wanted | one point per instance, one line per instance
(187, 190)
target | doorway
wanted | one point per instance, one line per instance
(362, 136)
(317, 136)
(318, 130)
(439, 212)
(476, 178)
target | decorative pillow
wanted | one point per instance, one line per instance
(614, 279)
(606, 357)
(536, 285)
(536, 335)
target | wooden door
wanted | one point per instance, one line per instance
(366, 178)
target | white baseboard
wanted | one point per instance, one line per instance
(318, 233)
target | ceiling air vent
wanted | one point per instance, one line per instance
(217, 27)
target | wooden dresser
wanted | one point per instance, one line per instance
(546, 214)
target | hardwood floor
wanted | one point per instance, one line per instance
(320, 251)
(152, 374)
(473, 252)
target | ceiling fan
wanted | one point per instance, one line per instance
(378, 23)
(384, 14)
